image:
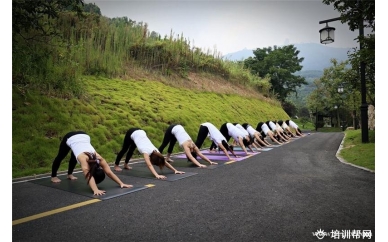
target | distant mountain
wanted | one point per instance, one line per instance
(316, 56)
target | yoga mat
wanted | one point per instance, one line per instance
(214, 158)
(237, 152)
(143, 171)
(275, 146)
(185, 163)
(262, 149)
(80, 187)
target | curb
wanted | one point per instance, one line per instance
(347, 163)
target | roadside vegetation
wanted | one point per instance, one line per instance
(358, 153)
(109, 108)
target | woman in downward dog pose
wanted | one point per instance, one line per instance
(208, 129)
(276, 132)
(228, 130)
(285, 128)
(294, 126)
(176, 132)
(265, 131)
(137, 138)
(93, 165)
(248, 136)
(255, 135)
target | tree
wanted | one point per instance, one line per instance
(30, 15)
(289, 108)
(352, 12)
(92, 8)
(279, 64)
(325, 97)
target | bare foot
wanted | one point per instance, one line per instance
(71, 177)
(127, 167)
(117, 168)
(55, 179)
(169, 161)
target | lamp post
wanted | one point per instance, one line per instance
(327, 37)
(340, 91)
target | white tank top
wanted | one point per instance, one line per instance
(265, 128)
(215, 134)
(293, 125)
(180, 134)
(251, 130)
(234, 131)
(143, 143)
(80, 143)
(272, 126)
(284, 125)
(241, 128)
(280, 129)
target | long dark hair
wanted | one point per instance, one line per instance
(258, 128)
(246, 142)
(157, 159)
(94, 169)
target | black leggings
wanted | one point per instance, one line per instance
(168, 137)
(128, 145)
(62, 153)
(225, 132)
(202, 134)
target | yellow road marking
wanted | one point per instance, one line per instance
(48, 213)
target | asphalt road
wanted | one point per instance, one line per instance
(285, 194)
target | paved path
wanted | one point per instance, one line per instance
(285, 194)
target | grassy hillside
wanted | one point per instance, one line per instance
(111, 106)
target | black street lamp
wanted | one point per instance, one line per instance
(327, 37)
(341, 91)
(337, 115)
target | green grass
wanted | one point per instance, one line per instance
(358, 153)
(109, 108)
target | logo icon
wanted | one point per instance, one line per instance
(320, 234)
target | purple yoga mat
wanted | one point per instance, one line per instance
(215, 158)
(237, 152)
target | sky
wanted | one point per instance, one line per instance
(230, 26)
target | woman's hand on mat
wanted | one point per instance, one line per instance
(179, 172)
(160, 177)
(125, 186)
(213, 163)
(202, 166)
(99, 192)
